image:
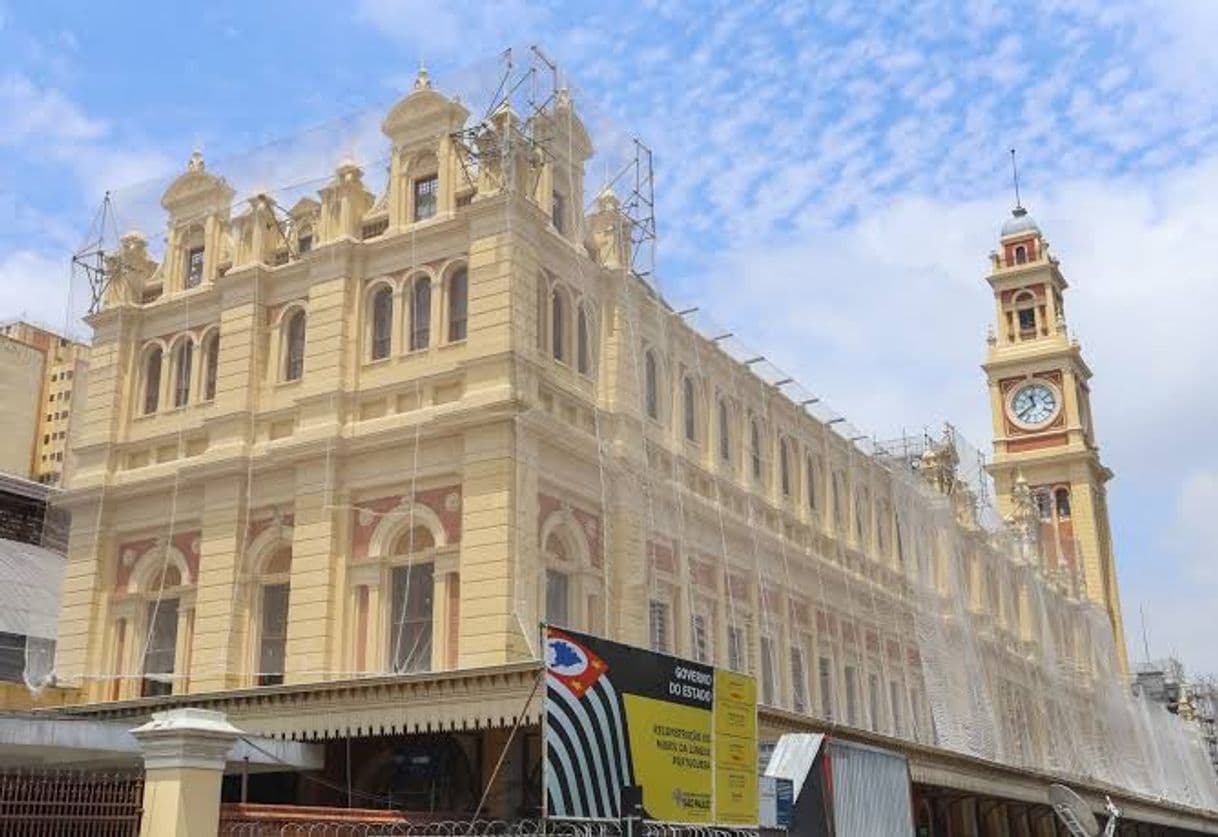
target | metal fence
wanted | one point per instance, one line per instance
(70, 803)
(381, 824)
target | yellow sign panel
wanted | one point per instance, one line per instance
(735, 712)
(671, 747)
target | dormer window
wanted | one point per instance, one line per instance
(426, 191)
(304, 241)
(194, 266)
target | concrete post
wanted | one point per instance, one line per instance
(184, 755)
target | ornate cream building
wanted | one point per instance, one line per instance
(391, 433)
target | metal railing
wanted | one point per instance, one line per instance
(355, 823)
(70, 803)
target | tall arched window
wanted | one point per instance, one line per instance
(458, 305)
(558, 581)
(755, 448)
(152, 380)
(1062, 500)
(651, 386)
(420, 314)
(690, 412)
(1021, 255)
(273, 593)
(725, 442)
(182, 359)
(558, 331)
(784, 468)
(294, 350)
(382, 322)
(211, 365)
(583, 358)
(413, 605)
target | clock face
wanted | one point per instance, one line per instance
(1034, 404)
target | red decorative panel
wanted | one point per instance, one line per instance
(130, 552)
(589, 524)
(445, 502)
(661, 556)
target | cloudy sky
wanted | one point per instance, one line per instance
(830, 179)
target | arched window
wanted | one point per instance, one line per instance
(294, 350)
(689, 404)
(273, 593)
(1062, 499)
(458, 305)
(152, 380)
(1025, 311)
(414, 540)
(651, 386)
(542, 304)
(182, 358)
(583, 358)
(558, 317)
(725, 441)
(1021, 255)
(755, 448)
(784, 468)
(211, 365)
(382, 322)
(420, 314)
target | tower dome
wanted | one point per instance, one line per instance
(1019, 222)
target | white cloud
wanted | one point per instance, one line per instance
(34, 286)
(34, 114)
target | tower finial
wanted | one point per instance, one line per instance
(1018, 210)
(421, 81)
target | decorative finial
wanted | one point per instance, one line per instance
(422, 81)
(196, 161)
(1018, 211)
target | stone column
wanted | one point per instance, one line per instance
(184, 755)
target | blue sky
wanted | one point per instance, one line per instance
(830, 175)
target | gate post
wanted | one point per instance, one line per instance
(184, 755)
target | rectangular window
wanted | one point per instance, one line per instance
(852, 696)
(915, 712)
(894, 698)
(701, 639)
(411, 623)
(799, 683)
(737, 653)
(825, 675)
(558, 212)
(12, 657)
(162, 646)
(426, 190)
(557, 598)
(1027, 319)
(304, 244)
(873, 700)
(274, 636)
(657, 616)
(194, 266)
(768, 686)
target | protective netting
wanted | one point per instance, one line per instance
(388, 394)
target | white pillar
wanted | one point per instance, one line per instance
(184, 756)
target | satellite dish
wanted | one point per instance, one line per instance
(1073, 811)
(1077, 816)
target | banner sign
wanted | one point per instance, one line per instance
(683, 733)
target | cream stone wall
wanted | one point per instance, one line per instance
(852, 588)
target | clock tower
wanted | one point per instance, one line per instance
(1044, 438)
